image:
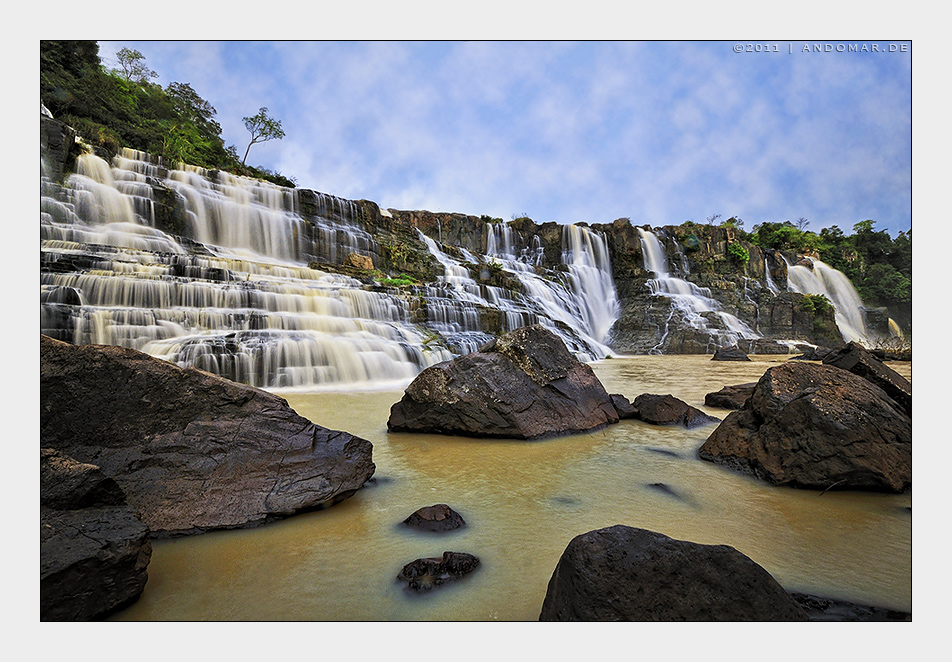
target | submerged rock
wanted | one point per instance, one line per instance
(191, 451)
(827, 609)
(730, 397)
(94, 549)
(817, 426)
(437, 518)
(669, 410)
(622, 573)
(523, 385)
(425, 574)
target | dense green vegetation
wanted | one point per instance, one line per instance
(123, 108)
(879, 266)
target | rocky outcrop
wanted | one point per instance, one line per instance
(58, 147)
(94, 549)
(437, 519)
(859, 361)
(622, 573)
(730, 397)
(734, 353)
(427, 573)
(669, 410)
(819, 427)
(191, 451)
(523, 385)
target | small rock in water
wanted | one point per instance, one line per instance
(623, 406)
(437, 518)
(734, 353)
(427, 573)
(669, 410)
(730, 397)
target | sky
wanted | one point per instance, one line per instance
(658, 132)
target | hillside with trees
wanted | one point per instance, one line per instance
(123, 107)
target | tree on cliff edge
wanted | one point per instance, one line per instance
(262, 128)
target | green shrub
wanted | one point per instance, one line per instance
(738, 254)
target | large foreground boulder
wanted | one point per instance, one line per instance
(817, 426)
(192, 451)
(94, 549)
(523, 385)
(622, 573)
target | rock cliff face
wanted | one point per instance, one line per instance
(191, 451)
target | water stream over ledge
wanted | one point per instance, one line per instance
(523, 502)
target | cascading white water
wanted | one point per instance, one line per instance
(820, 278)
(695, 304)
(250, 309)
(590, 278)
(771, 285)
(585, 303)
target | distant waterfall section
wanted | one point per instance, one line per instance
(695, 306)
(580, 304)
(820, 278)
(233, 293)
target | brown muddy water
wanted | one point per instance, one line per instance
(523, 502)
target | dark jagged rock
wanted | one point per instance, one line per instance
(523, 385)
(94, 549)
(191, 451)
(669, 410)
(623, 406)
(427, 573)
(730, 397)
(622, 573)
(437, 518)
(734, 353)
(859, 361)
(816, 426)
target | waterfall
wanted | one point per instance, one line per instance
(247, 308)
(695, 305)
(579, 305)
(771, 285)
(820, 278)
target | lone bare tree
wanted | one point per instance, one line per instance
(133, 66)
(262, 128)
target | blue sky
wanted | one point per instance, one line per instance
(659, 132)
